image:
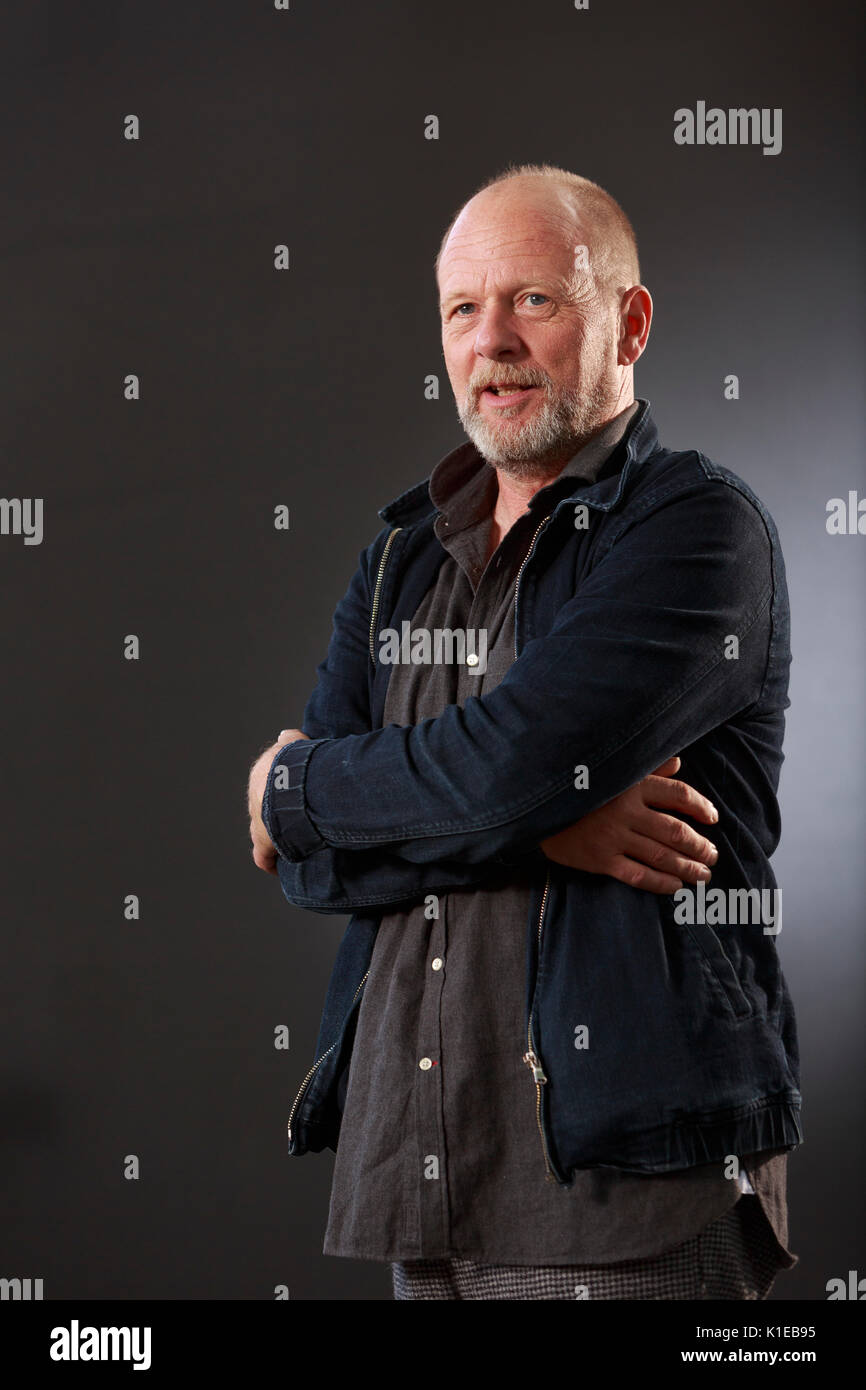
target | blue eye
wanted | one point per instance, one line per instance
(467, 305)
(536, 294)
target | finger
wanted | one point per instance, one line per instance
(263, 860)
(665, 860)
(642, 876)
(260, 839)
(676, 834)
(667, 769)
(679, 796)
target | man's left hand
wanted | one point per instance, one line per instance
(264, 853)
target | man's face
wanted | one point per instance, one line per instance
(518, 312)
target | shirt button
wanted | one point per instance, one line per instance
(472, 659)
(425, 1064)
(437, 963)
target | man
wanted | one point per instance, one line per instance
(550, 1074)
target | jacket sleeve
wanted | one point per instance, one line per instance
(335, 879)
(637, 666)
(340, 702)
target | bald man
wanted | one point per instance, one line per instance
(546, 1070)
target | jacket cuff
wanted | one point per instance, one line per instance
(284, 811)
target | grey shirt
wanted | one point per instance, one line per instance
(439, 1152)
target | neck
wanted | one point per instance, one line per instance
(515, 493)
(513, 500)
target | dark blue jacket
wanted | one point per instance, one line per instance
(651, 620)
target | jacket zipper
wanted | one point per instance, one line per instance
(317, 1064)
(375, 608)
(532, 1059)
(523, 564)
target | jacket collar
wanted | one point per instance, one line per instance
(639, 441)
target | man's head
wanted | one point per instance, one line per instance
(539, 288)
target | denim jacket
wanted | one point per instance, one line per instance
(651, 619)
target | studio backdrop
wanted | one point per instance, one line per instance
(222, 356)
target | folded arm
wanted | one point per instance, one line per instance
(636, 666)
(336, 879)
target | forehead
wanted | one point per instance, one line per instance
(510, 238)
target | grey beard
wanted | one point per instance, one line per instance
(554, 433)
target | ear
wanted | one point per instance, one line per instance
(636, 312)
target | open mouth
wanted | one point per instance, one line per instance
(507, 391)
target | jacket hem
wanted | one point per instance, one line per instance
(772, 1123)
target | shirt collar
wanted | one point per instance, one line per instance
(463, 485)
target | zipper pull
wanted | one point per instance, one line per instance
(533, 1063)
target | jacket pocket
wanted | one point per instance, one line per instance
(719, 968)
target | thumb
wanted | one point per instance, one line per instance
(668, 768)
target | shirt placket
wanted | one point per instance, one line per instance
(435, 1231)
(432, 1158)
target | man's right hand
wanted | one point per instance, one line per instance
(629, 840)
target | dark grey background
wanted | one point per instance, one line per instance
(306, 387)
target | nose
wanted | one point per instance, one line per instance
(496, 335)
